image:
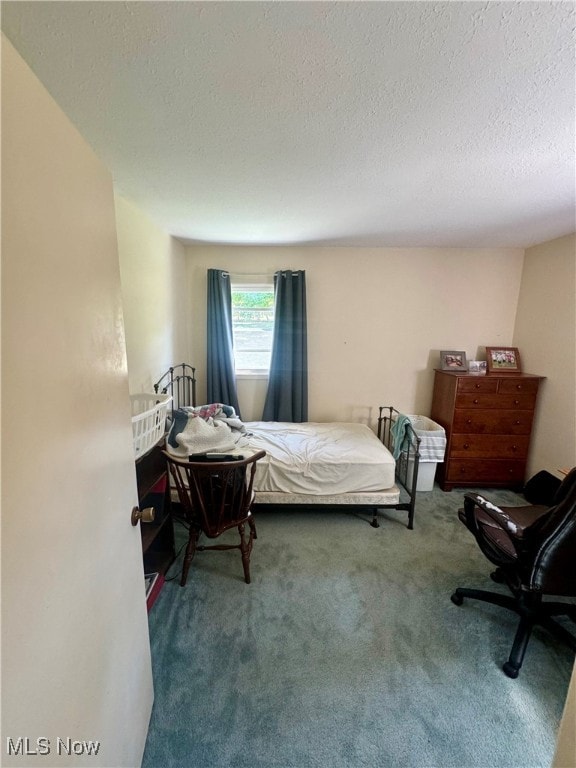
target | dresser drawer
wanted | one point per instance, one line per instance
(476, 446)
(485, 471)
(515, 385)
(492, 422)
(524, 402)
(478, 384)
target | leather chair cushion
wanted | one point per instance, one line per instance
(523, 518)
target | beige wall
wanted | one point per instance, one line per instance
(75, 648)
(154, 295)
(565, 754)
(377, 318)
(545, 334)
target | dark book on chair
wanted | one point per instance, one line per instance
(214, 457)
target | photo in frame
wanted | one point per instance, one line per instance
(453, 361)
(477, 366)
(503, 360)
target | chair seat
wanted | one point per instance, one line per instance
(523, 518)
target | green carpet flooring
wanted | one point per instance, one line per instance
(346, 651)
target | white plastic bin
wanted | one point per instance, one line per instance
(149, 411)
(432, 448)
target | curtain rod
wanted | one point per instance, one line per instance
(251, 274)
(258, 275)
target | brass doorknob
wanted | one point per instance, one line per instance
(146, 515)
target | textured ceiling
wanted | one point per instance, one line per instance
(346, 123)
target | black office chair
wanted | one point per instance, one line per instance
(534, 549)
(216, 496)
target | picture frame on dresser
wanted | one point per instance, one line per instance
(477, 366)
(453, 360)
(503, 360)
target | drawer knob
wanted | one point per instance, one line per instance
(516, 402)
(468, 421)
(477, 386)
(518, 386)
(476, 401)
(518, 422)
(514, 448)
(466, 446)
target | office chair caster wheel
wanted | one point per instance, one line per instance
(457, 599)
(510, 671)
(498, 576)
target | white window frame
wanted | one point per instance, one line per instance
(255, 283)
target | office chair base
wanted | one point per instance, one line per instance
(532, 611)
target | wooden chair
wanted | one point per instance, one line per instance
(216, 496)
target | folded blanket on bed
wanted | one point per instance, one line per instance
(206, 428)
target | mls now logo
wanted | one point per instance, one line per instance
(43, 746)
(25, 746)
(72, 747)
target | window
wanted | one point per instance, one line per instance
(252, 324)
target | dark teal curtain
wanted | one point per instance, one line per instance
(287, 394)
(221, 379)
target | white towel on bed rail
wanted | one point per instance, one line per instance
(432, 437)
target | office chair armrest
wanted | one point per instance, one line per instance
(499, 516)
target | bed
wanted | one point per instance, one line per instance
(310, 464)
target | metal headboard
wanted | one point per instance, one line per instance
(180, 382)
(409, 458)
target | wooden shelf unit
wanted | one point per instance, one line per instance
(153, 484)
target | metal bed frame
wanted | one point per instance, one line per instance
(181, 384)
(408, 461)
(410, 455)
(180, 381)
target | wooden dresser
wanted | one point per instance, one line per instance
(488, 422)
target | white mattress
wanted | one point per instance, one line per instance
(318, 459)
